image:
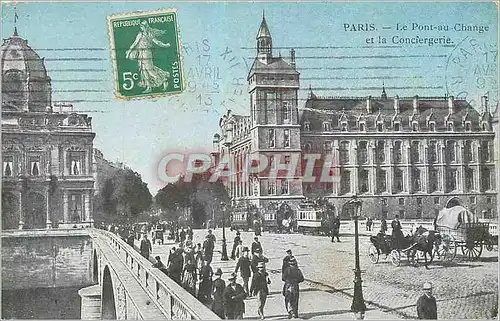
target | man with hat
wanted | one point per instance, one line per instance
(426, 304)
(292, 276)
(244, 266)
(208, 247)
(236, 242)
(260, 287)
(218, 287)
(159, 265)
(145, 246)
(234, 294)
(256, 245)
(258, 258)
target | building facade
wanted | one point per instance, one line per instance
(403, 156)
(47, 159)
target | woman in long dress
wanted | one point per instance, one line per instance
(189, 277)
(141, 50)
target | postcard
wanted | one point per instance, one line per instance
(250, 160)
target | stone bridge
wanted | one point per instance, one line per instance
(120, 283)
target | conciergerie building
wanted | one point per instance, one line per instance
(47, 160)
(403, 156)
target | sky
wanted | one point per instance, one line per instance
(339, 50)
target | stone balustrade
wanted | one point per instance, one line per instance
(168, 296)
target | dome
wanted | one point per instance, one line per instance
(25, 84)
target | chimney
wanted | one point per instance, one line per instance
(396, 104)
(484, 103)
(415, 104)
(369, 105)
(450, 105)
(292, 58)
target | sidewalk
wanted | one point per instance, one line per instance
(314, 303)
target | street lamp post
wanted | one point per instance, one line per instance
(358, 303)
(224, 246)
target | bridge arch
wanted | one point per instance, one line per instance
(108, 296)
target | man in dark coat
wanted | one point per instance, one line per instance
(159, 265)
(131, 239)
(336, 229)
(236, 242)
(244, 266)
(218, 287)
(426, 304)
(208, 249)
(145, 247)
(286, 261)
(256, 245)
(397, 230)
(256, 259)
(292, 277)
(205, 288)
(234, 296)
(260, 287)
(175, 265)
(383, 225)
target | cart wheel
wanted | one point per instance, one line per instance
(373, 254)
(395, 257)
(472, 250)
(447, 250)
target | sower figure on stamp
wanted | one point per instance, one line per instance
(218, 288)
(234, 296)
(292, 277)
(260, 287)
(145, 247)
(426, 304)
(142, 51)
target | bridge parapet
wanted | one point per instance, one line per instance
(175, 302)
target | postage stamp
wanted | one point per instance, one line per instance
(146, 54)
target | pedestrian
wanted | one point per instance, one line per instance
(260, 287)
(131, 239)
(208, 248)
(190, 232)
(189, 277)
(239, 250)
(234, 296)
(182, 235)
(198, 256)
(257, 259)
(175, 264)
(426, 304)
(286, 261)
(383, 225)
(159, 265)
(256, 245)
(189, 255)
(206, 283)
(336, 229)
(145, 247)
(236, 242)
(292, 277)
(397, 230)
(218, 287)
(211, 236)
(244, 266)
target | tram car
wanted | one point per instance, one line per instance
(268, 217)
(309, 218)
(240, 218)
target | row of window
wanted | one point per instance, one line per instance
(418, 213)
(416, 151)
(272, 137)
(450, 126)
(435, 183)
(274, 187)
(283, 107)
(76, 162)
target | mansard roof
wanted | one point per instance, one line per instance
(319, 109)
(276, 65)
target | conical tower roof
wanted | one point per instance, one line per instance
(264, 29)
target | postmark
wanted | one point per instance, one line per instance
(472, 71)
(146, 54)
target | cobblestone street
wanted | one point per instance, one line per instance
(463, 289)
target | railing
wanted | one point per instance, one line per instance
(175, 302)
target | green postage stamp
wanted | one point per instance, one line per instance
(146, 54)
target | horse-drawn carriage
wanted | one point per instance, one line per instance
(414, 247)
(459, 229)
